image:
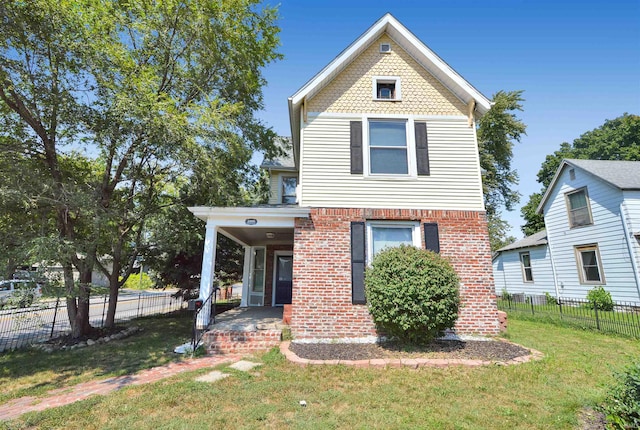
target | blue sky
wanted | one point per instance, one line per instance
(577, 62)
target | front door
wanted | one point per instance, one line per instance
(284, 279)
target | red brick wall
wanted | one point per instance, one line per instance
(322, 270)
(268, 273)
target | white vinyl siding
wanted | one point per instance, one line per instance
(606, 232)
(454, 181)
(507, 272)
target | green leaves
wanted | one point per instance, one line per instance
(498, 129)
(412, 293)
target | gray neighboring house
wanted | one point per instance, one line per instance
(524, 267)
(592, 216)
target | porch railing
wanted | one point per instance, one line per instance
(198, 306)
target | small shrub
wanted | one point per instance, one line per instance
(622, 406)
(134, 282)
(550, 299)
(600, 299)
(505, 294)
(412, 294)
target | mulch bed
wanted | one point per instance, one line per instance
(489, 350)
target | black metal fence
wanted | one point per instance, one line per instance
(48, 319)
(624, 319)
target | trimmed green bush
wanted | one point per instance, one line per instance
(600, 299)
(134, 282)
(622, 406)
(412, 294)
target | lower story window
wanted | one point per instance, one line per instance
(589, 266)
(386, 234)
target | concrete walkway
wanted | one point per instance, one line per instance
(66, 395)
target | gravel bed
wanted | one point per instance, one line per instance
(471, 350)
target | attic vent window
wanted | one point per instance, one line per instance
(385, 48)
(572, 174)
(386, 88)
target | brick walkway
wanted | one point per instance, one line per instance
(64, 396)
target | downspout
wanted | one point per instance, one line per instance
(553, 267)
(634, 263)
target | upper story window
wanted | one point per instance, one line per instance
(578, 208)
(589, 267)
(288, 190)
(388, 149)
(525, 261)
(386, 88)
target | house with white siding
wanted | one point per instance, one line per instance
(592, 216)
(383, 152)
(524, 267)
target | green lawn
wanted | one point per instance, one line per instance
(575, 373)
(34, 372)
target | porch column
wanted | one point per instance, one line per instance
(246, 271)
(208, 273)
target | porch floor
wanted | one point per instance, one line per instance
(244, 330)
(249, 319)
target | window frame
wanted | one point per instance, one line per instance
(370, 225)
(412, 169)
(395, 80)
(593, 247)
(571, 211)
(524, 268)
(281, 194)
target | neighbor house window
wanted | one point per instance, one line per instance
(578, 208)
(288, 190)
(386, 234)
(525, 260)
(589, 267)
(388, 147)
(386, 88)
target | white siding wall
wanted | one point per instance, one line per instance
(632, 204)
(274, 188)
(454, 182)
(606, 232)
(507, 272)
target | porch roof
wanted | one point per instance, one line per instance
(259, 225)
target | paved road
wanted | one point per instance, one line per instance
(39, 322)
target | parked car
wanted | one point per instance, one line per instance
(26, 290)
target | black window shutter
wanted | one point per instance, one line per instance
(431, 238)
(358, 257)
(422, 148)
(356, 147)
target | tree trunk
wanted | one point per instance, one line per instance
(72, 305)
(113, 303)
(82, 318)
(114, 286)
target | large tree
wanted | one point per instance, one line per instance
(498, 130)
(616, 139)
(146, 88)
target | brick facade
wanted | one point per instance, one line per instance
(322, 305)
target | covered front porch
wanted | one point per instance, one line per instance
(266, 233)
